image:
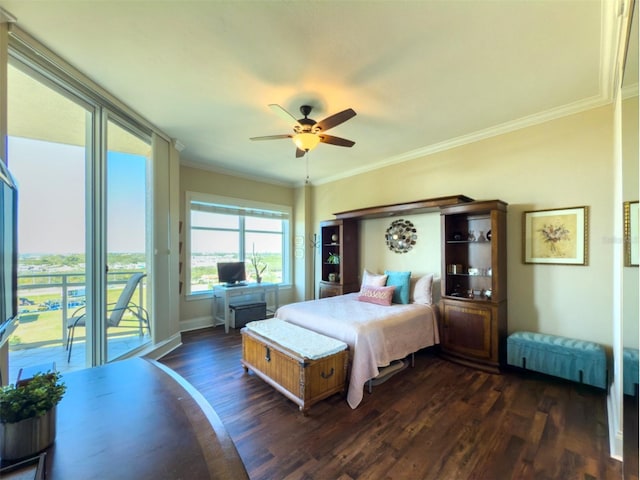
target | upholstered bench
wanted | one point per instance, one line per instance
(630, 370)
(304, 366)
(577, 360)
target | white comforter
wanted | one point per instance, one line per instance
(376, 334)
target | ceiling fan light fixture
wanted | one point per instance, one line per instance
(307, 133)
(306, 141)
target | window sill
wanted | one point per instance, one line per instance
(208, 294)
(204, 295)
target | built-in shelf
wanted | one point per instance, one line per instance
(339, 238)
(473, 306)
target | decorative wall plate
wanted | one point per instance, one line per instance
(401, 236)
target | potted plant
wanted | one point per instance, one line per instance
(334, 259)
(28, 415)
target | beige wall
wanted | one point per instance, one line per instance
(423, 258)
(563, 163)
(303, 245)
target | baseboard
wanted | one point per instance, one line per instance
(196, 323)
(614, 420)
(159, 350)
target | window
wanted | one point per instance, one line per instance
(223, 229)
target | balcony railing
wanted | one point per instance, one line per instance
(46, 300)
(51, 293)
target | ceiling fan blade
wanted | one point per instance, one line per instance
(272, 137)
(282, 113)
(341, 142)
(300, 153)
(336, 119)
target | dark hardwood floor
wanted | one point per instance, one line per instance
(438, 420)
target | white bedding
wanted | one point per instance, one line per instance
(304, 342)
(376, 334)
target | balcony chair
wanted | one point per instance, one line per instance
(115, 311)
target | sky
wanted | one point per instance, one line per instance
(51, 203)
(51, 198)
(257, 236)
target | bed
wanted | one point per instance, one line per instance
(376, 334)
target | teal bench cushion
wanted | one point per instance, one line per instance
(576, 360)
(630, 370)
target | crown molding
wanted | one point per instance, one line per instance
(611, 25)
(6, 17)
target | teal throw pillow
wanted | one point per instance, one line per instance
(400, 280)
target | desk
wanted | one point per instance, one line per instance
(222, 297)
(137, 419)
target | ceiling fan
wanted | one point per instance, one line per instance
(307, 133)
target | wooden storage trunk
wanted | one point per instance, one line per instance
(302, 380)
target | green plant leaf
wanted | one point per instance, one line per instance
(32, 399)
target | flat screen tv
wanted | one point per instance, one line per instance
(8, 253)
(231, 273)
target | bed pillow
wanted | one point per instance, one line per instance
(373, 279)
(377, 295)
(400, 280)
(423, 290)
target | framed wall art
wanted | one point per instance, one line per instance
(556, 236)
(631, 234)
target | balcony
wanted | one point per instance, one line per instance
(45, 301)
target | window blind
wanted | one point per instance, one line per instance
(237, 210)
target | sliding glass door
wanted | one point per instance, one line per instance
(82, 175)
(128, 155)
(47, 154)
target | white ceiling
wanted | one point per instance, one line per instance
(421, 75)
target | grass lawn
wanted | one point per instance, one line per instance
(45, 327)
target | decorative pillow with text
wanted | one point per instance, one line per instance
(377, 295)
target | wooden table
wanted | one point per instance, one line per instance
(137, 419)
